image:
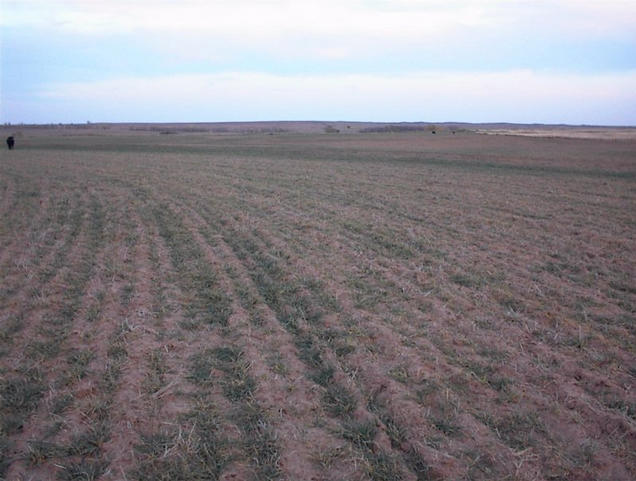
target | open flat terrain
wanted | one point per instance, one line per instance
(277, 302)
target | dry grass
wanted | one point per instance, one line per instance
(380, 306)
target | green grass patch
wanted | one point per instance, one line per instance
(19, 396)
(208, 303)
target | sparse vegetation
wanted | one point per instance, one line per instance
(376, 305)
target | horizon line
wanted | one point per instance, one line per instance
(417, 122)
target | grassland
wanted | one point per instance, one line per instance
(310, 306)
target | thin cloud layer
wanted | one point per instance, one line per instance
(324, 17)
(308, 48)
(522, 96)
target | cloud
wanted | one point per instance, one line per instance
(222, 30)
(505, 34)
(282, 18)
(263, 18)
(359, 59)
(517, 96)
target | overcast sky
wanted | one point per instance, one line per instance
(558, 61)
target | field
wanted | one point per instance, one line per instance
(190, 304)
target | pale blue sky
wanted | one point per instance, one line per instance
(560, 61)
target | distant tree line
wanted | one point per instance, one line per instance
(395, 128)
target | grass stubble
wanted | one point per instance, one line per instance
(459, 307)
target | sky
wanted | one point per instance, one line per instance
(524, 61)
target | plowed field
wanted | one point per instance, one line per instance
(379, 306)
